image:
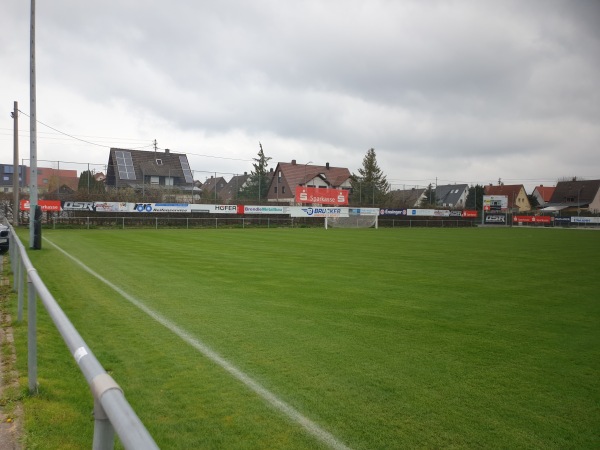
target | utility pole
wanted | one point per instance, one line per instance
(33, 172)
(16, 167)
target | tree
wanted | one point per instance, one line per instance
(257, 186)
(533, 201)
(89, 184)
(475, 198)
(428, 200)
(370, 186)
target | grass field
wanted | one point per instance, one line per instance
(464, 338)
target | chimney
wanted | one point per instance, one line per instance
(293, 162)
(167, 151)
(327, 166)
(271, 170)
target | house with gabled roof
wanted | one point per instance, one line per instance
(212, 187)
(451, 195)
(288, 176)
(575, 195)
(543, 194)
(138, 169)
(515, 193)
(231, 190)
(407, 198)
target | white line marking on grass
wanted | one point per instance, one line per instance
(311, 427)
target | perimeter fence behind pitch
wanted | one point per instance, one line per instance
(218, 222)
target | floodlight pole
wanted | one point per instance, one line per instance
(16, 167)
(33, 194)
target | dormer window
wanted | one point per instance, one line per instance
(159, 162)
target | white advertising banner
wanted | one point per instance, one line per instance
(575, 219)
(428, 212)
(111, 207)
(364, 211)
(249, 209)
(300, 211)
(160, 207)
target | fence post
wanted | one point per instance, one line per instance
(20, 289)
(104, 433)
(31, 336)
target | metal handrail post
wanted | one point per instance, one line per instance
(20, 290)
(31, 336)
(104, 433)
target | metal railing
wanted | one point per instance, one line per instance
(112, 412)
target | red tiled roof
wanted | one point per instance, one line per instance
(299, 174)
(545, 191)
(510, 190)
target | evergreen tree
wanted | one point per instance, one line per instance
(429, 199)
(475, 198)
(88, 183)
(257, 186)
(369, 186)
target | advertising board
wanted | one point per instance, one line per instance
(46, 205)
(576, 219)
(532, 219)
(302, 211)
(495, 202)
(249, 209)
(324, 196)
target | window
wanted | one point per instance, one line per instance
(159, 162)
(154, 180)
(275, 190)
(9, 169)
(283, 189)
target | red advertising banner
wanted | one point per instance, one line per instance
(469, 214)
(323, 196)
(46, 205)
(532, 219)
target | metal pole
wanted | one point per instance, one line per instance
(16, 165)
(31, 337)
(33, 194)
(20, 289)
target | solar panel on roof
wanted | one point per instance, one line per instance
(125, 165)
(185, 166)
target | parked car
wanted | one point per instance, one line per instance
(3, 239)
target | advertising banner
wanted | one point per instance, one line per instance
(532, 219)
(495, 219)
(562, 220)
(469, 214)
(265, 209)
(428, 212)
(111, 207)
(576, 219)
(78, 206)
(46, 205)
(392, 212)
(301, 211)
(324, 196)
(161, 207)
(363, 211)
(495, 202)
(227, 209)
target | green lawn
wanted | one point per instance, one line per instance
(479, 338)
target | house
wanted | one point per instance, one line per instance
(232, 189)
(575, 195)
(543, 194)
(7, 172)
(138, 169)
(517, 197)
(452, 196)
(212, 187)
(288, 176)
(407, 198)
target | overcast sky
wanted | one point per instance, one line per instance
(461, 91)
